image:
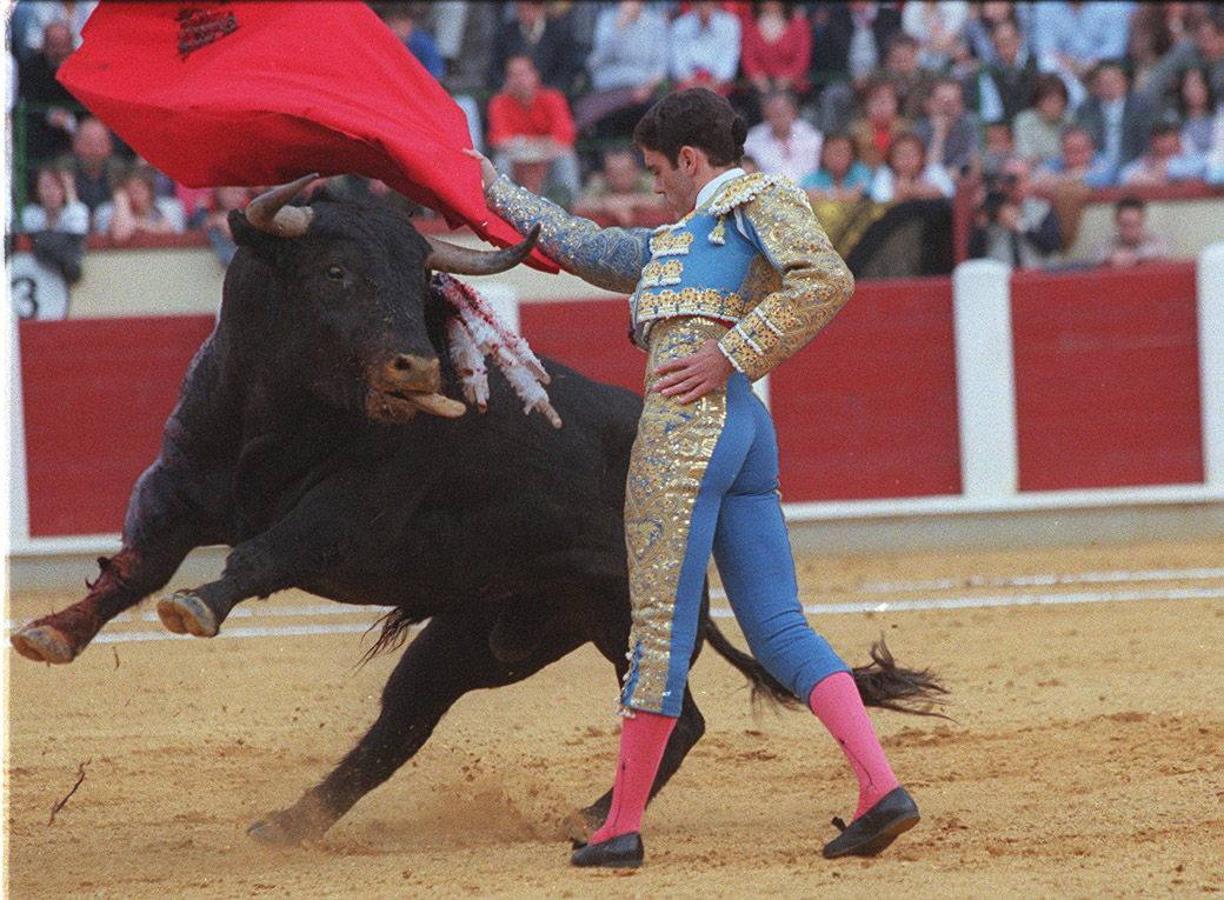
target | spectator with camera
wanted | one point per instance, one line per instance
(1012, 225)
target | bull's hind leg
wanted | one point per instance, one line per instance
(159, 532)
(454, 654)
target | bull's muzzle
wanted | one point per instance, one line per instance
(406, 384)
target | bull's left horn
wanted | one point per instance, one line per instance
(446, 257)
(268, 211)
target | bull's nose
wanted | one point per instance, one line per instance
(416, 372)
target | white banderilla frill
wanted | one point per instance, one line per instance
(473, 332)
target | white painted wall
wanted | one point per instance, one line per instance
(1211, 360)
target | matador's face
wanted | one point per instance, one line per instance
(677, 183)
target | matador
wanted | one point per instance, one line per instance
(741, 281)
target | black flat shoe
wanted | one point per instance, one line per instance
(895, 813)
(622, 852)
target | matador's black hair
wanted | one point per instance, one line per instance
(697, 117)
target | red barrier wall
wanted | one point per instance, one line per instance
(96, 393)
(1107, 383)
(591, 336)
(868, 409)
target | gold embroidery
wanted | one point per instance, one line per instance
(743, 190)
(650, 305)
(718, 234)
(815, 282)
(658, 273)
(671, 243)
(673, 448)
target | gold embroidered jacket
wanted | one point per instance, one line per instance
(754, 256)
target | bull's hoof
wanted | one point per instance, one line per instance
(43, 643)
(185, 613)
(582, 823)
(306, 820)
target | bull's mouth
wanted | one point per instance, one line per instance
(401, 405)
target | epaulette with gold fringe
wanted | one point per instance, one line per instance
(742, 190)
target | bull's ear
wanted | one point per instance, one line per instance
(247, 235)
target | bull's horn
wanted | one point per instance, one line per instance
(444, 257)
(268, 212)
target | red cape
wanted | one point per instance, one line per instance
(262, 93)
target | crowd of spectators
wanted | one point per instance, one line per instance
(859, 102)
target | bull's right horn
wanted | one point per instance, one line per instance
(268, 211)
(444, 257)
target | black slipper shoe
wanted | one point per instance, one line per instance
(895, 813)
(624, 851)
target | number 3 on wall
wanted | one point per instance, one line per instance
(38, 292)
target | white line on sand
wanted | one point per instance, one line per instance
(883, 606)
(969, 582)
(722, 612)
(1111, 577)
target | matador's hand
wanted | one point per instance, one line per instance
(692, 377)
(488, 174)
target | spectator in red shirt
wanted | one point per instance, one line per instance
(880, 123)
(776, 48)
(531, 132)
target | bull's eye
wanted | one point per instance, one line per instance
(335, 273)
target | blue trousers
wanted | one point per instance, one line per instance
(704, 478)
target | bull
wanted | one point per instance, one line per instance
(314, 436)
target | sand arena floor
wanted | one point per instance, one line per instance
(1086, 759)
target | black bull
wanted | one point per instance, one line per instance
(297, 442)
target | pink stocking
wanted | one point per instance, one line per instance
(643, 738)
(836, 702)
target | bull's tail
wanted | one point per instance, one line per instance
(881, 683)
(395, 627)
(765, 688)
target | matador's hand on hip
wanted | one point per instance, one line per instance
(692, 377)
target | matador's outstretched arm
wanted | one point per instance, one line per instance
(610, 258)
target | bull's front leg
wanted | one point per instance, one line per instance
(294, 550)
(160, 530)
